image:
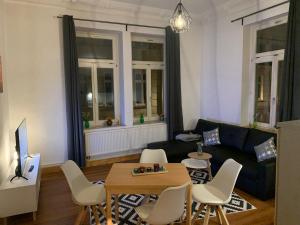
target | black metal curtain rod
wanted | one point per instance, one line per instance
(118, 23)
(259, 11)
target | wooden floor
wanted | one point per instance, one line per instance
(56, 206)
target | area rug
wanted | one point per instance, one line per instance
(127, 203)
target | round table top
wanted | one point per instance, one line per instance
(202, 156)
(195, 163)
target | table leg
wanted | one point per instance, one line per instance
(108, 208)
(34, 216)
(189, 205)
(117, 207)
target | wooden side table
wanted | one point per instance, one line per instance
(199, 161)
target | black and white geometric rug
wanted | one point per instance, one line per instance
(127, 203)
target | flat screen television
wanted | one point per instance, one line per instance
(21, 148)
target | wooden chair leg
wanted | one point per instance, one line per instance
(207, 215)
(96, 215)
(223, 216)
(117, 207)
(139, 222)
(85, 216)
(201, 207)
(102, 210)
(218, 215)
(80, 216)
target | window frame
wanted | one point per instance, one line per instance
(103, 63)
(272, 56)
(149, 66)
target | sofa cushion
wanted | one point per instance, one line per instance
(233, 136)
(205, 125)
(221, 153)
(265, 150)
(256, 137)
(211, 137)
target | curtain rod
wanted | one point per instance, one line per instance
(259, 11)
(118, 23)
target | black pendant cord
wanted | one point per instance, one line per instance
(117, 23)
(259, 11)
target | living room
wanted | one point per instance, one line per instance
(135, 82)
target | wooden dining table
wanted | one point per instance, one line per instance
(121, 181)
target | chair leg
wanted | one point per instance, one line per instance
(96, 215)
(139, 222)
(201, 207)
(223, 216)
(207, 214)
(102, 210)
(218, 215)
(117, 207)
(80, 216)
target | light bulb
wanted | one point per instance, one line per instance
(89, 97)
(180, 22)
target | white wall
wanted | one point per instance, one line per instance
(4, 115)
(36, 74)
(224, 80)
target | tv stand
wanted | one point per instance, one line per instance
(18, 177)
(20, 196)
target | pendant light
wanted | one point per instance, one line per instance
(181, 19)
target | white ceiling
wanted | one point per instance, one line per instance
(193, 6)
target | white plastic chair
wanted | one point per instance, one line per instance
(153, 156)
(168, 208)
(218, 192)
(84, 193)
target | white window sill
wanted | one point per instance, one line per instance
(118, 127)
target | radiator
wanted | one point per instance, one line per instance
(103, 142)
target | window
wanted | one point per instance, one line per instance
(99, 81)
(267, 70)
(148, 77)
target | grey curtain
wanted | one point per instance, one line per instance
(173, 80)
(290, 83)
(74, 119)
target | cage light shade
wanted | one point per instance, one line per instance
(181, 20)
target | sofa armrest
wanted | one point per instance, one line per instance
(267, 179)
(182, 132)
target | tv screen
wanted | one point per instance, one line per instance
(21, 147)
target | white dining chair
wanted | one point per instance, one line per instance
(218, 192)
(167, 209)
(153, 156)
(84, 193)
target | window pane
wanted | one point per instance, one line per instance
(279, 80)
(143, 51)
(105, 93)
(86, 93)
(263, 92)
(156, 92)
(94, 48)
(139, 92)
(271, 39)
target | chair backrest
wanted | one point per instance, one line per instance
(153, 156)
(75, 177)
(226, 177)
(170, 205)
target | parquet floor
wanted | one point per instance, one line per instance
(56, 206)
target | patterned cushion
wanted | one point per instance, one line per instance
(211, 137)
(266, 150)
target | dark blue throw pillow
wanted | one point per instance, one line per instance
(256, 137)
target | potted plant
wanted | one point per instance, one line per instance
(86, 118)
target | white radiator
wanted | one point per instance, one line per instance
(103, 142)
